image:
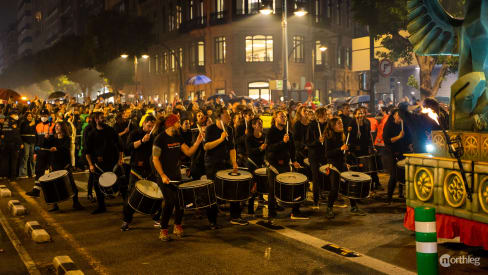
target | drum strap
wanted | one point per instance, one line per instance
(331, 167)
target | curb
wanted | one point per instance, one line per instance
(64, 265)
(4, 192)
(34, 230)
(16, 208)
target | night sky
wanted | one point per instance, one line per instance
(7, 13)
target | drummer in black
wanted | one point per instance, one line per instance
(103, 151)
(315, 140)
(197, 167)
(256, 149)
(335, 148)
(61, 159)
(139, 145)
(166, 155)
(280, 150)
(219, 149)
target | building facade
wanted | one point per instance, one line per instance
(8, 47)
(240, 49)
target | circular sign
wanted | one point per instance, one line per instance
(454, 190)
(385, 67)
(423, 184)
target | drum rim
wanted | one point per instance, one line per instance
(247, 173)
(65, 173)
(369, 178)
(204, 183)
(305, 181)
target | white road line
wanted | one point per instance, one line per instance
(363, 260)
(96, 264)
(24, 256)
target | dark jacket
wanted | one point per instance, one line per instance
(316, 150)
(333, 151)
(277, 151)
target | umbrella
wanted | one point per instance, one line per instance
(198, 80)
(240, 98)
(56, 95)
(5, 94)
(359, 99)
(106, 95)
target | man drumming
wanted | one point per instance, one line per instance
(140, 146)
(279, 152)
(103, 151)
(219, 148)
(166, 155)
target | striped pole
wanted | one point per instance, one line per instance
(426, 239)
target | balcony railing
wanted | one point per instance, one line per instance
(217, 18)
(195, 23)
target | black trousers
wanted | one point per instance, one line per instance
(235, 207)
(12, 157)
(271, 187)
(396, 174)
(170, 193)
(315, 163)
(335, 180)
(42, 164)
(128, 212)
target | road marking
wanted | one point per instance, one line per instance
(361, 259)
(97, 265)
(24, 256)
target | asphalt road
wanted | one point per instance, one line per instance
(97, 246)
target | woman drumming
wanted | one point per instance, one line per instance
(61, 159)
(256, 149)
(335, 147)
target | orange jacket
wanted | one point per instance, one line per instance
(379, 134)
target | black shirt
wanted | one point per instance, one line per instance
(140, 159)
(253, 149)
(316, 149)
(168, 149)
(104, 144)
(28, 132)
(333, 151)
(360, 138)
(219, 154)
(61, 158)
(300, 132)
(392, 130)
(277, 151)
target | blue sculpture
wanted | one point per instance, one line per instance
(435, 32)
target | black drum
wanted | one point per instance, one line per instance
(324, 178)
(369, 164)
(355, 185)
(230, 186)
(196, 194)
(146, 197)
(56, 186)
(108, 184)
(261, 177)
(291, 188)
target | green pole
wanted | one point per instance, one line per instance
(426, 240)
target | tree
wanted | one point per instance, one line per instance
(388, 18)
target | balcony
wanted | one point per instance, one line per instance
(193, 24)
(217, 18)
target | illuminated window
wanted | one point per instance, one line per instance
(339, 55)
(259, 90)
(173, 60)
(220, 50)
(298, 52)
(253, 6)
(180, 57)
(219, 8)
(348, 57)
(171, 19)
(319, 55)
(318, 10)
(191, 9)
(197, 54)
(179, 16)
(156, 64)
(259, 48)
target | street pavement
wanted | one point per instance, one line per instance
(97, 246)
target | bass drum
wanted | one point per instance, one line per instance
(261, 178)
(196, 194)
(291, 188)
(230, 186)
(56, 186)
(146, 197)
(355, 185)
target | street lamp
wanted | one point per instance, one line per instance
(322, 48)
(145, 56)
(124, 56)
(266, 9)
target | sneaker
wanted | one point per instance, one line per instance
(164, 235)
(239, 221)
(298, 216)
(34, 193)
(214, 226)
(157, 224)
(329, 213)
(178, 231)
(358, 212)
(124, 227)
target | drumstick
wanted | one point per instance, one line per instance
(347, 140)
(223, 128)
(99, 168)
(402, 125)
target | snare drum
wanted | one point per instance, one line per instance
(324, 178)
(108, 184)
(291, 188)
(230, 186)
(196, 194)
(355, 185)
(368, 164)
(261, 177)
(146, 197)
(56, 186)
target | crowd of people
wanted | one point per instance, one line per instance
(207, 137)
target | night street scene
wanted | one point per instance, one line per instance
(243, 137)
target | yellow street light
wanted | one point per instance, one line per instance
(322, 48)
(266, 9)
(124, 56)
(145, 56)
(300, 12)
(24, 98)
